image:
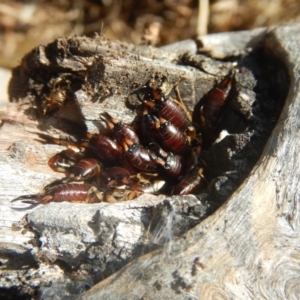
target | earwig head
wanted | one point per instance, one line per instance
(156, 95)
(148, 103)
(149, 120)
(129, 147)
(148, 93)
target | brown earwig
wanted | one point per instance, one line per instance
(190, 183)
(141, 158)
(217, 99)
(72, 192)
(172, 164)
(120, 131)
(57, 96)
(104, 147)
(169, 110)
(64, 160)
(170, 137)
(86, 168)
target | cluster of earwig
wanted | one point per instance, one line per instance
(159, 153)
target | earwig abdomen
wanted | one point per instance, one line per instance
(171, 163)
(105, 148)
(172, 139)
(167, 109)
(59, 163)
(148, 133)
(173, 113)
(142, 158)
(190, 183)
(86, 168)
(72, 192)
(120, 131)
(123, 131)
(216, 101)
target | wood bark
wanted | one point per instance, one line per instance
(63, 249)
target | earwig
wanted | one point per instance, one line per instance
(141, 158)
(54, 100)
(190, 183)
(57, 96)
(161, 147)
(172, 164)
(171, 138)
(72, 192)
(64, 160)
(120, 131)
(105, 148)
(217, 99)
(86, 168)
(169, 110)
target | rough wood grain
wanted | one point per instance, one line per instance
(75, 245)
(249, 248)
(80, 243)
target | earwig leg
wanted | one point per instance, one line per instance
(118, 195)
(58, 141)
(110, 199)
(132, 195)
(180, 102)
(94, 195)
(177, 92)
(144, 177)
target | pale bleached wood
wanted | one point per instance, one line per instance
(100, 238)
(50, 241)
(249, 248)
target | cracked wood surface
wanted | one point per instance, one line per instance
(40, 250)
(249, 248)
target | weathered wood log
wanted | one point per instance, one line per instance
(249, 248)
(95, 240)
(76, 245)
